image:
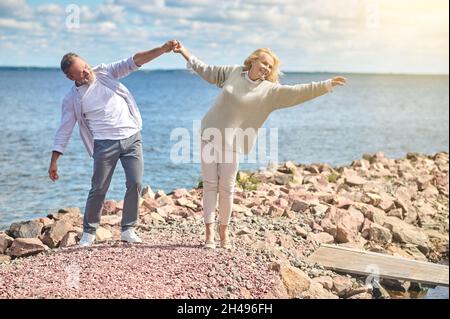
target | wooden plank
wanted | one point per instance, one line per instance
(364, 263)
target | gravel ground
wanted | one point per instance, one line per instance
(164, 266)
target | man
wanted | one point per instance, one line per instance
(110, 125)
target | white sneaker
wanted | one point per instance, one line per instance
(130, 236)
(87, 239)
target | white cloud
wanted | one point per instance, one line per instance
(307, 34)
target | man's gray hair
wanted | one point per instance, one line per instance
(67, 61)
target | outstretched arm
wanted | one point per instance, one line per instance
(211, 73)
(283, 96)
(141, 58)
(122, 68)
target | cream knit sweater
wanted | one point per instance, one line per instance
(243, 106)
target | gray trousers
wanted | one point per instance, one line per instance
(106, 155)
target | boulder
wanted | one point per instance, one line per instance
(406, 233)
(103, 234)
(53, 234)
(5, 242)
(23, 247)
(28, 229)
(295, 281)
(70, 239)
(342, 285)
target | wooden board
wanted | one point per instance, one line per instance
(365, 263)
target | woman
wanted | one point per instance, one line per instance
(250, 93)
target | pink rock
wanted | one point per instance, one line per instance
(348, 225)
(299, 206)
(295, 281)
(180, 192)
(23, 247)
(5, 242)
(109, 207)
(275, 211)
(70, 239)
(325, 281)
(342, 285)
(53, 235)
(321, 238)
(119, 205)
(150, 204)
(4, 258)
(282, 203)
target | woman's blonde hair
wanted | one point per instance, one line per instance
(275, 73)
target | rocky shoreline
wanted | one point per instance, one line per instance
(280, 216)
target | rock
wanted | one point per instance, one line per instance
(282, 203)
(325, 281)
(299, 206)
(364, 292)
(72, 215)
(165, 211)
(295, 280)
(430, 192)
(405, 233)
(23, 247)
(5, 242)
(111, 220)
(164, 200)
(348, 224)
(150, 204)
(375, 214)
(67, 213)
(70, 239)
(317, 291)
(28, 229)
(109, 207)
(157, 217)
(186, 203)
(275, 211)
(240, 208)
(424, 181)
(387, 203)
(379, 234)
(4, 259)
(320, 209)
(45, 221)
(372, 199)
(246, 294)
(343, 202)
(355, 180)
(397, 212)
(365, 230)
(300, 231)
(180, 193)
(415, 253)
(282, 179)
(329, 226)
(119, 205)
(322, 238)
(364, 295)
(244, 231)
(53, 235)
(342, 285)
(103, 234)
(147, 192)
(289, 214)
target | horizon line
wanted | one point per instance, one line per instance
(287, 71)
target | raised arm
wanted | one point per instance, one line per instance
(62, 137)
(124, 67)
(282, 96)
(211, 73)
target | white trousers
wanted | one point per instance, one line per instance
(219, 169)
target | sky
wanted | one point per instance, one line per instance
(363, 36)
